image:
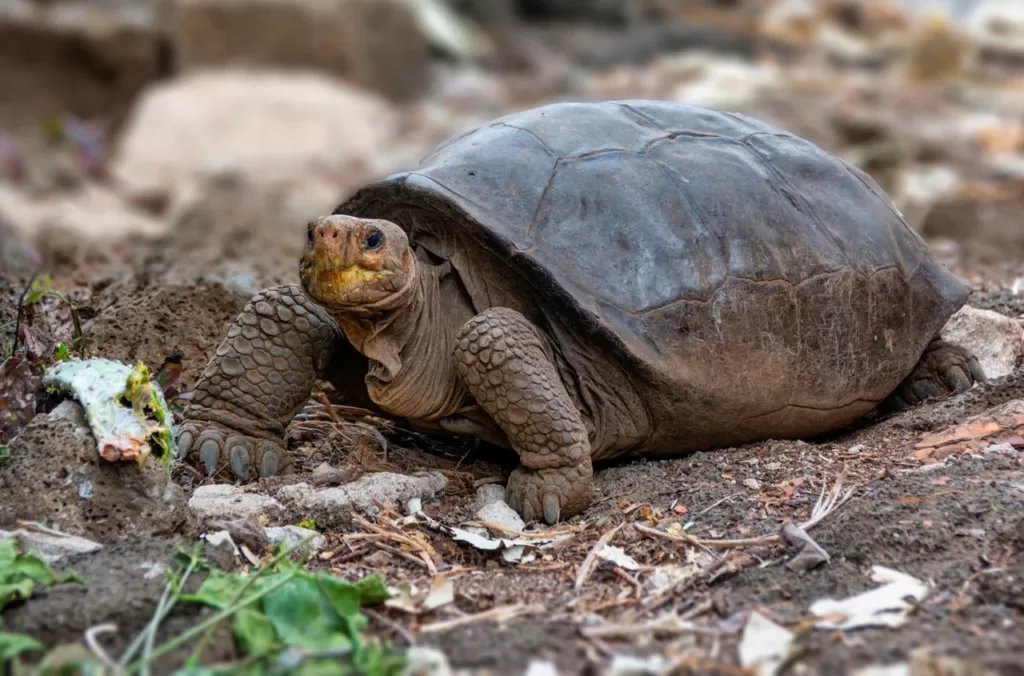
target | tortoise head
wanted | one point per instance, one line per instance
(350, 262)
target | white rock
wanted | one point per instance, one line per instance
(724, 83)
(998, 25)
(426, 661)
(90, 212)
(500, 513)
(996, 340)
(333, 506)
(376, 44)
(293, 535)
(223, 501)
(487, 494)
(51, 547)
(275, 129)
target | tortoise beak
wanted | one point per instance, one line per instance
(335, 265)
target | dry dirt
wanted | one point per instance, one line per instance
(952, 515)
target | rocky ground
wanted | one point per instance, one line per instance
(176, 180)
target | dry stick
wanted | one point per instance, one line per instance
(716, 503)
(591, 561)
(518, 533)
(327, 407)
(390, 624)
(398, 552)
(637, 587)
(97, 650)
(424, 554)
(822, 509)
(674, 538)
(500, 613)
(627, 631)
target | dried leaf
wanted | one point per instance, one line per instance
(19, 383)
(442, 592)
(765, 646)
(884, 606)
(617, 556)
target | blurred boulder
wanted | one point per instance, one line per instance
(88, 57)
(376, 44)
(273, 129)
(998, 27)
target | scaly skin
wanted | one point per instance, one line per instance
(259, 379)
(943, 369)
(501, 361)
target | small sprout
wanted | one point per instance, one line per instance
(61, 353)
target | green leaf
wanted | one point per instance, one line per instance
(372, 590)
(12, 645)
(41, 285)
(61, 352)
(218, 589)
(307, 523)
(343, 596)
(12, 591)
(253, 631)
(8, 553)
(303, 617)
(34, 568)
(5, 451)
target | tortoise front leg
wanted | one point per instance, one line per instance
(501, 362)
(259, 379)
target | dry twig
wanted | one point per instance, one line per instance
(499, 614)
(591, 561)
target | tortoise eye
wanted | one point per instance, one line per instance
(373, 241)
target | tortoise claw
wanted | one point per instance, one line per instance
(552, 508)
(218, 449)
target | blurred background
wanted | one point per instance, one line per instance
(178, 139)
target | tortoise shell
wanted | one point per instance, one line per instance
(760, 283)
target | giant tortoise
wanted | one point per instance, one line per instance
(584, 281)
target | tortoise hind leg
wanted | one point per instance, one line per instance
(942, 370)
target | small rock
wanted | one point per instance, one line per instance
(332, 507)
(293, 535)
(55, 474)
(541, 668)
(426, 661)
(378, 559)
(247, 531)
(773, 466)
(376, 44)
(279, 131)
(1001, 448)
(752, 484)
(500, 513)
(724, 82)
(996, 340)
(51, 547)
(224, 501)
(487, 494)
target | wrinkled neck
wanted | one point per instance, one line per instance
(381, 330)
(409, 345)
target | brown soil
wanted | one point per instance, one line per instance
(957, 525)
